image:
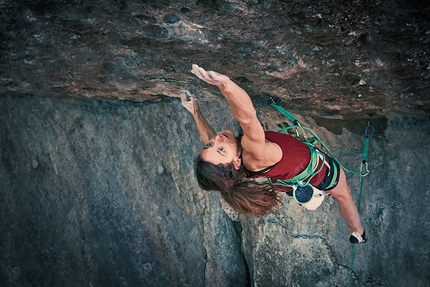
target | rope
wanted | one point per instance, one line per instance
(299, 128)
(316, 138)
(364, 168)
(367, 136)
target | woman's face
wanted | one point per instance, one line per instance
(222, 148)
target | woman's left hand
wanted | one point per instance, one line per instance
(210, 77)
(189, 102)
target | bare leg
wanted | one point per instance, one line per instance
(347, 207)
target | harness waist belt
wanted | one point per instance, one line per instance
(310, 171)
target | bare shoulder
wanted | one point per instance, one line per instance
(268, 154)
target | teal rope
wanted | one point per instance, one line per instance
(351, 270)
(315, 137)
(363, 167)
(367, 137)
(352, 265)
(285, 113)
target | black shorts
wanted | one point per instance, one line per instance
(331, 178)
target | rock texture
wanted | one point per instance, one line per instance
(96, 152)
(341, 56)
(102, 193)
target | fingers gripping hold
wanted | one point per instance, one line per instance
(186, 96)
(196, 70)
(188, 101)
(201, 73)
(209, 77)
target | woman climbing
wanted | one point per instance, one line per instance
(228, 163)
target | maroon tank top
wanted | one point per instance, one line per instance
(295, 159)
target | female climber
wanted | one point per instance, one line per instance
(229, 164)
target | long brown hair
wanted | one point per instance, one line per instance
(244, 195)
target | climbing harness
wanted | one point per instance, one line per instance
(312, 197)
(300, 133)
(302, 180)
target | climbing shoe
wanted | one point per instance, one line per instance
(357, 238)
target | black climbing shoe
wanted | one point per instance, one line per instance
(357, 238)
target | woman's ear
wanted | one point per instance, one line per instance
(237, 163)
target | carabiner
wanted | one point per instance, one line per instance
(367, 130)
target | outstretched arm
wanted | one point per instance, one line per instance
(205, 130)
(241, 106)
(260, 152)
(239, 101)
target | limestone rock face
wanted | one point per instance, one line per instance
(102, 193)
(96, 152)
(340, 57)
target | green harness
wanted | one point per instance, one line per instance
(308, 172)
(316, 156)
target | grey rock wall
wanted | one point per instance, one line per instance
(339, 56)
(96, 179)
(102, 193)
